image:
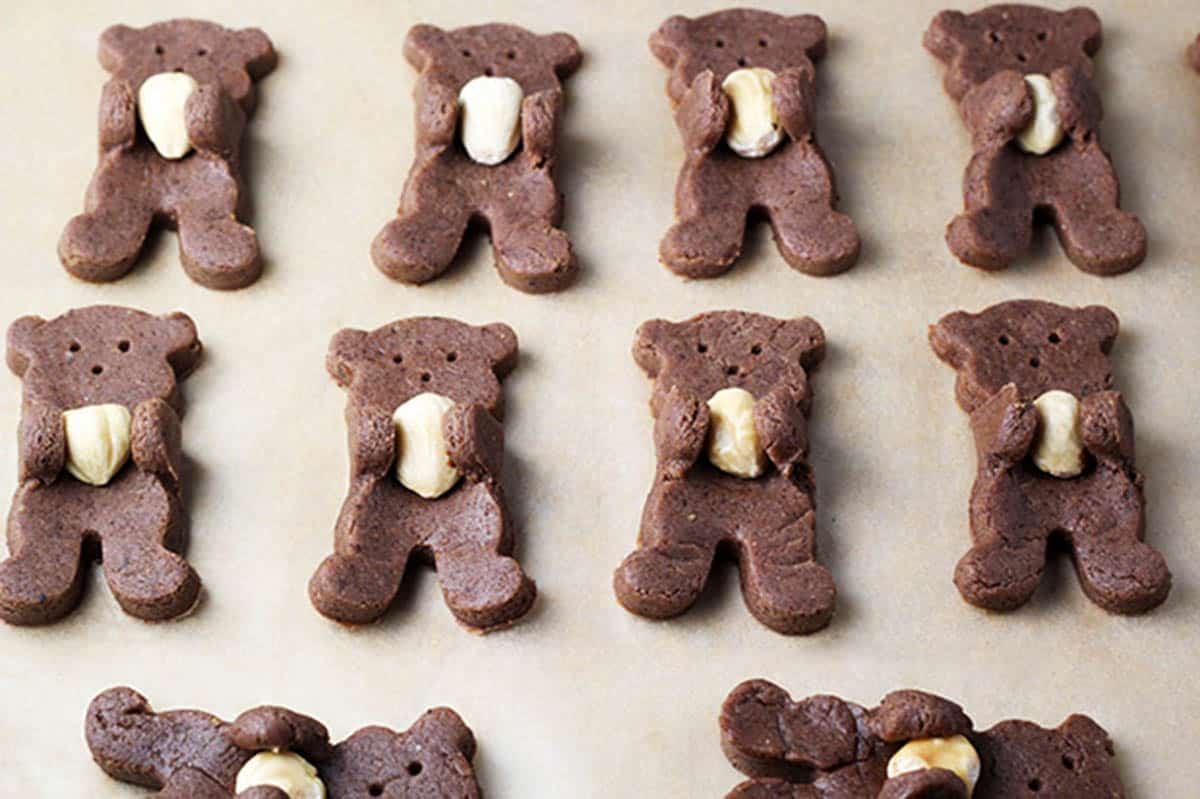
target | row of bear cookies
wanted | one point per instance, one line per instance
(488, 102)
(913, 745)
(100, 450)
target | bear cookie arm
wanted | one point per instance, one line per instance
(1022, 76)
(488, 103)
(914, 745)
(100, 463)
(272, 753)
(737, 74)
(1055, 456)
(171, 123)
(426, 453)
(730, 404)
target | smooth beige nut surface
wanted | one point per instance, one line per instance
(491, 118)
(733, 445)
(97, 441)
(1058, 449)
(754, 130)
(422, 462)
(287, 771)
(953, 754)
(161, 102)
(1045, 131)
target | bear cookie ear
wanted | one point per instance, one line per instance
(500, 344)
(951, 338)
(947, 34)
(345, 348)
(670, 38)
(807, 337)
(563, 50)
(258, 54)
(647, 345)
(443, 724)
(1083, 25)
(421, 43)
(115, 42)
(181, 341)
(20, 342)
(812, 32)
(1106, 323)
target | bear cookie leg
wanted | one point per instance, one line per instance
(102, 244)
(1118, 571)
(814, 238)
(216, 249)
(784, 587)
(1001, 575)
(419, 245)
(42, 580)
(704, 244)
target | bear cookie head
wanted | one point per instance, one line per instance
(232, 59)
(102, 354)
(727, 349)
(1038, 346)
(1026, 39)
(391, 364)
(536, 62)
(736, 39)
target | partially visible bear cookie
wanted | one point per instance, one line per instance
(742, 84)
(488, 100)
(914, 745)
(1056, 456)
(1022, 76)
(730, 402)
(99, 452)
(171, 124)
(426, 449)
(274, 753)
(1193, 54)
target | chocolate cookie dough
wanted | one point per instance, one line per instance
(426, 447)
(272, 752)
(729, 69)
(914, 745)
(1022, 76)
(488, 103)
(1056, 459)
(171, 124)
(731, 401)
(99, 463)
(1193, 54)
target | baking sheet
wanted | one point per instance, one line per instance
(584, 699)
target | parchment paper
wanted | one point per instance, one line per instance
(584, 699)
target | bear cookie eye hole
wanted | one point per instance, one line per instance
(1003, 341)
(701, 348)
(1054, 338)
(158, 49)
(74, 347)
(123, 346)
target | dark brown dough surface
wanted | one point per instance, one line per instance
(1007, 356)
(986, 54)
(187, 754)
(91, 356)
(382, 524)
(446, 190)
(717, 189)
(768, 522)
(825, 748)
(199, 194)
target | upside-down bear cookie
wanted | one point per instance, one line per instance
(426, 448)
(914, 745)
(730, 402)
(1055, 456)
(488, 102)
(171, 125)
(1022, 76)
(742, 84)
(99, 463)
(274, 753)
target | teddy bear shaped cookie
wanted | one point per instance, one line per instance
(914, 745)
(426, 449)
(275, 753)
(171, 123)
(1023, 79)
(99, 463)
(488, 102)
(743, 87)
(1055, 456)
(730, 402)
